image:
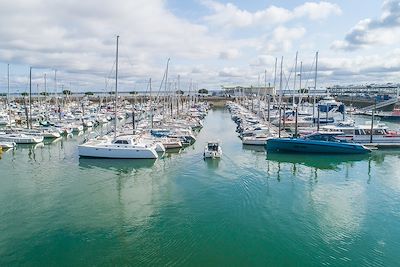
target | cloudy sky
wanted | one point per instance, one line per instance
(212, 42)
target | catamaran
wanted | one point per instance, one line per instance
(126, 147)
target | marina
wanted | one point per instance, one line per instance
(200, 133)
(193, 212)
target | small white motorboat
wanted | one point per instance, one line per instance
(212, 150)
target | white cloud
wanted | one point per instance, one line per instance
(282, 38)
(367, 32)
(230, 16)
(317, 11)
(229, 54)
(79, 36)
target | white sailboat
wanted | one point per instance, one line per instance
(126, 147)
(20, 138)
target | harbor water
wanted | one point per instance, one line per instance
(246, 209)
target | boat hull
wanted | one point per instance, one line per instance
(254, 141)
(116, 153)
(303, 146)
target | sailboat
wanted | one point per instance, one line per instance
(124, 146)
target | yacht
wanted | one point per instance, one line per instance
(212, 150)
(319, 142)
(362, 133)
(124, 147)
(257, 140)
(329, 103)
(20, 138)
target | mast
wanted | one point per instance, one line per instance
(280, 83)
(276, 65)
(56, 96)
(151, 105)
(315, 81)
(295, 75)
(300, 77)
(45, 90)
(265, 83)
(8, 94)
(165, 87)
(30, 98)
(116, 90)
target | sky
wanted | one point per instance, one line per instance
(210, 43)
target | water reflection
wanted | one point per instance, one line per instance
(321, 161)
(172, 151)
(254, 148)
(120, 165)
(52, 141)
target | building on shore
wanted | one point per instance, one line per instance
(389, 89)
(235, 90)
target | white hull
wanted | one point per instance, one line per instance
(106, 150)
(254, 141)
(213, 154)
(212, 150)
(21, 139)
(365, 139)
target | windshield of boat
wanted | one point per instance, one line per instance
(322, 137)
(213, 146)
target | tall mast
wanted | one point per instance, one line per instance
(295, 76)
(116, 90)
(280, 83)
(300, 74)
(151, 105)
(265, 83)
(8, 94)
(45, 90)
(165, 87)
(30, 97)
(55, 87)
(315, 81)
(276, 65)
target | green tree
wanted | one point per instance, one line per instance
(67, 92)
(24, 94)
(179, 92)
(133, 93)
(89, 93)
(203, 91)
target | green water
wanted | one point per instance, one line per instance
(247, 209)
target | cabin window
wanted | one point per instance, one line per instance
(121, 142)
(357, 132)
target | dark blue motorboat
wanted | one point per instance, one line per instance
(319, 142)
